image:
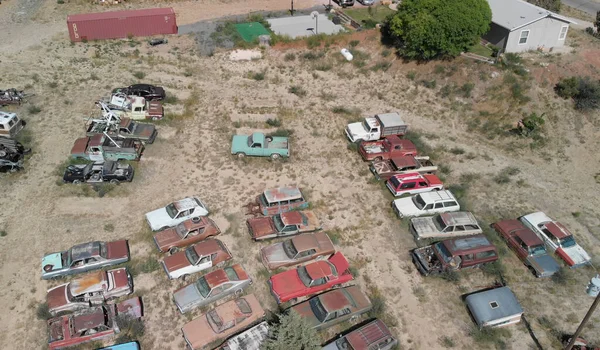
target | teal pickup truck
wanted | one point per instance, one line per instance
(260, 145)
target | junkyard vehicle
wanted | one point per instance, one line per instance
(121, 128)
(100, 148)
(412, 183)
(175, 213)
(283, 225)
(12, 96)
(149, 92)
(9, 166)
(188, 232)
(278, 200)
(389, 147)
(108, 171)
(454, 254)
(310, 279)
(133, 107)
(133, 345)
(85, 257)
(195, 258)
(93, 289)
(10, 124)
(211, 287)
(376, 127)
(557, 238)
(345, 3)
(445, 225)
(528, 247)
(333, 307)
(260, 145)
(250, 339)
(297, 250)
(374, 335)
(384, 169)
(12, 150)
(212, 328)
(91, 324)
(427, 203)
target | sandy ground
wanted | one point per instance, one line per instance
(191, 157)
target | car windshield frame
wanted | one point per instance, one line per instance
(318, 309)
(278, 222)
(567, 242)
(537, 250)
(181, 230)
(191, 255)
(289, 249)
(439, 223)
(304, 276)
(202, 287)
(366, 126)
(442, 251)
(171, 210)
(418, 201)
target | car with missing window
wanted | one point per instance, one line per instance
(93, 289)
(175, 213)
(195, 258)
(211, 287)
(427, 203)
(384, 169)
(413, 183)
(297, 250)
(528, 247)
(108, 171)
(374, 335)
(188, 232)
(310, 279)
(445, 225)
(454, 254)
(283, 225)
(147, 91)
(84, 257)
(333, 307)
(212, 328)
(558, 239)
(278, 200)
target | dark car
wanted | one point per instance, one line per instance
(344, 3)
(9, 166)
(109, 171)
(149, 92)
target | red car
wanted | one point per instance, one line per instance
(413, 183)
(90, 325)
(391, 146)
(310, 279)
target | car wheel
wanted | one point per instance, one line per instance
(241, 155)
(275, 156)
(76, 182)
(378, 159)
(185, 277)
(238, 292)
(173, 250)
(114, 182)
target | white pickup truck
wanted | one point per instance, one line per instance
(376, 127)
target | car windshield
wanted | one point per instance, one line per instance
(202, 287)
(214, 321)
(318, 309)
(567, 242)
(418, 201)
(171, 210)
(439, 223)
(289, 249)
(304, 277)
(181, 230)
(231, 274)
(263, 200)
(103, 250)
(278, 223)
(395, 182)
(443, 252)
(537, 250)
(191, 255)
(366, 126)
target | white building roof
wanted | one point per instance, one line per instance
(515, 14)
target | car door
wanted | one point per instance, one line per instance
(438, 207)
(284, 206)
(428, 209)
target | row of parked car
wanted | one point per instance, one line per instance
(435, 214)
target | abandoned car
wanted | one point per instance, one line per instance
(427, 203)
(297, 250)
(12, 96)
(188, 232)
(100, 148)
(445, 225)
(10, 166)
(390, 147)
(374, 335)
(147, 91)
(10, 124)
(283, 225)
(384, 169)
(175, 213)
(413, 183)
(260, 145)
(376, 127)
(109, 171)
(195, 258)
(278, 200)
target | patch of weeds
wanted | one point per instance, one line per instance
(273, 122)
(282, 133)
(466, 89)
(311, 56)
(576, 214)
(381, 66)
(421, 145)
(411, 75)
(290, 56)
(447, 90)
(33, 109)
(430, 84)
(386, 53)
(353, 147)
(504, 176)
(494, 268)
(450, 276)
(60, 2)
(43, 311)
(563, 276)
(354, 271)
(3, 233)
(420, 293)
(171, 99)
(139, 75)
(354, 43)
(457, 151)
(494, 336)
(132, 328)
(149, 265)
(444, 169)
(346, 111)
(35, 77)
(109, 228)
(447, 342)
(297, 90)
(258, 76)
(314, 41)
(53, 84)
(323, 67)
(335, 236)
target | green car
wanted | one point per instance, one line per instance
(260, 145)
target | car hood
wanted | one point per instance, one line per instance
(260, 227)
(144, 129)
(286, 283)
(158, 218)
(198, 332)
(424, 226)
(239, 142)
(406, 206)
(176, 261)
(274, 255)
(545, 265)
(57, 297)
(54, 259)
(356, 130)
(117, 250)
(187, 296)
(574, 255)
(166, 239)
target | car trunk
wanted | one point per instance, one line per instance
(117, 250)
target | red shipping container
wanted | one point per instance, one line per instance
(121, 24)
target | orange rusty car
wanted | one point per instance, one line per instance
(185, 233)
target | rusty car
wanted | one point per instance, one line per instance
(212, 328)
(444, 225)
(454, 254)
(12, 96)
(278, 200)
(391, 146)
(384, 169)
(188, 232)
(308, 280)
(335, 306)
(374, 335)
(91, 324)
(100, 148)
(121, 128)
(297, 250)
(195, 258)
(250, 339)
(147, 91)
(175, 213)
(133, 107)
(211, 287)
(283, 225)
(93, 173)
(10, 124)
(84, 257)
(92, 289)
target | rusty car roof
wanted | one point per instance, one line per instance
(467, 245)
(458, 218)
(80, 145)
(96, 140)
(88, 320)
(368, 335)
(319, 241)
(218, 277)
(209, 247)
(525, 234)
(88, 283)
(185, 204)
(341, 298)
(282, 193)
(404, 161)
(557, 229)
(200, 221)
(85, 250)
(319, 269)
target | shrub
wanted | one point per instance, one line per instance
(495, 268)
(258, 76)
(109, 228)
(530, 124)
(171, 99)
(466, 89)
(290, 56)
(3, 233)
(430, 84)
(567, 87)
(33, 109)
(60, 2)
(291, 330)
(585, 92)
(563, 276)
(273, 122)
(353, 43)
(132, 329)
(43, 311)
(297, 90)
(53, 85)
(139, 75)
(495, 336)
(411, 75)
(283, 133)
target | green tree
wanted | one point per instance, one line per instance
(292, 331)
(429, 29)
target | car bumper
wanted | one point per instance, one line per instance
(273, 292)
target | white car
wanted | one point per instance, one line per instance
(445, 225)
(557, 238)
(427, 203)
(175, 213)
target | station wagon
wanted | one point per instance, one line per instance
(279, 200)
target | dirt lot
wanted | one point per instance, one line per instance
(216, 98)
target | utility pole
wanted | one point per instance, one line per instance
(292, 9)
(584, 321)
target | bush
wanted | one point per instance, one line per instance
(495, 336)
(429, 29)
(466, 89)
(291, 331)
(297, 90)
(567, 87)
(258, 76)
(139, 75)
(551, 5)
(33, 109)
(430, 84)
(585, 92)
(109, 228)
(273, 122)
(3, 233)
(353, 43)
(290, 56)
(132, 329)
(283, 133)
(43, 311)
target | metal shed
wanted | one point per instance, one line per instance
(494, 307)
